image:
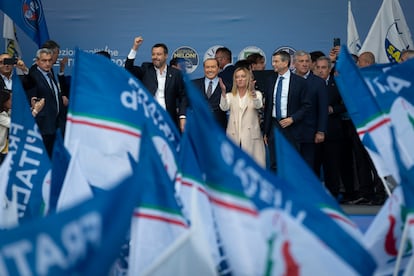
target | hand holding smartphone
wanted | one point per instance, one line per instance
(10, 61)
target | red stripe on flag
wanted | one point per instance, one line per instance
(82, 122)
(189, 184)
(377, 125)
(159, 218)
(222, 203)
(338, 217)
(233, 206)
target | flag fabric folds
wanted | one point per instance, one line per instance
(60, 163)
(30, 172)
(353, 42)
(372, 124)
(389, 34)
(380, 100)
(113, 110)
(307, 183)
(9, 34)
(190, 183)
(84, 240)
(163, 240)
(247, 201)
(29, 16)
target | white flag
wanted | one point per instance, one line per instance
(353, 42)
(9, 34)
(389, 34)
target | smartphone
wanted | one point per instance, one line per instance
(10, 61)
(336, 41)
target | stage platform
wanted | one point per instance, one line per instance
(362, 215)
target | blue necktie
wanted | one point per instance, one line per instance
(278, 96)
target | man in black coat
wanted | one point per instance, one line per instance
(165, 83)
(40, 83)
(315, 123)
(213, 94)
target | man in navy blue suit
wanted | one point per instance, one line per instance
(315, 123)
(164, 82)
(224, 58)
(209, 86)
(41, 83)
(286, 105)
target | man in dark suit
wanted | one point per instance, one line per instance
(40, 83)
(331, 152)
(165, 83)
(286, 105)
(224, 58)
(315, 123)
(209, 86)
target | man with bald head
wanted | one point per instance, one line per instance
(366, 59)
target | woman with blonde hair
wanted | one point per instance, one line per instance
(243, 103)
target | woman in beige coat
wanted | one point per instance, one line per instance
(243, 126)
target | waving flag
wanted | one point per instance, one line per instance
(307, 183)
(9, 34)
(8, 209)
(29, 16)
(384, 116)
(75, 187)
(353, 42)
(105, 117)
(247, 201)
(190, 184)
(389, 34)
(60, 164)
(384, 234)
(372, 124)
(84, 240)
(161, 237)
(29, 179)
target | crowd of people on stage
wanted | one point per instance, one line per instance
(300, 99)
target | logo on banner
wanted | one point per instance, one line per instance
(251, 50)
(211, 52)
(291, 52)
(31, 13)
(393, 43)
(190, 57)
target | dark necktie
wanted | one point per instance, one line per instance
(278, 97)
(209, 89)
(54, 88)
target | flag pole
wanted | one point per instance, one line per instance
(401, 248)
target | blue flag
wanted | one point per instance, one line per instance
(29, 16)
(60, 164)
(307, 183)
(372, 123)
(84, 240)
(157, 216)
(378, 97)
(29, 179)
(238, 183)
(106, 115)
